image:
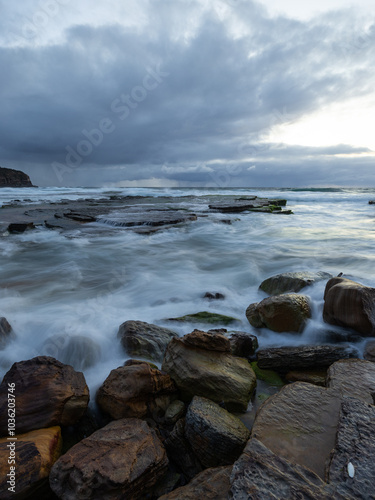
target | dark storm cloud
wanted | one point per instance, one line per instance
(157, 103)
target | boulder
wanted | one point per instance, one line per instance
(180, 452)
(211, 341)
(210, 484)
(79, 351)
(352, 467)
(136, 391)
(30, 457)
(317, 377)
(354, 378)
(207, 318)
(217, 375)
(263, 475)
(350, 304)
(174, 412)
(6, 333)
(291, 282)
(48, 393)
(14, 178)
(299, 424)
(243, 344)
(124, 459)
(216, 436)
(284, 359)
(281, 313)
(369, 351)
(144, 339)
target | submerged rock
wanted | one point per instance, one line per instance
(145, 340)
(206, 318)
(214, 374)
(292, 282)
(20, 227)
(79, 351)
(124, 459)
(216, 436)
(14, 178)
(6, 333)
(281, 313)
(284, 359)
(48, 393)
(214, 296)
(136, 390)
(350, 304)
(210, 484)
(32, 455)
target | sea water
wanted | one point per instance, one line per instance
(58, 286)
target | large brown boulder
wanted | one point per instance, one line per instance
(14, 178)
(207, 372)
(216, 436)
(291, 282)
(136, 390)
(210, 484)
(122, 460)
(48, 393)
(350, 304)
(27, 461)
(145, 340)
(283, 359)
(281, 313)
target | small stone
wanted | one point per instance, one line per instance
(174, 412)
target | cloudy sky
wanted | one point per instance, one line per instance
(188, 92)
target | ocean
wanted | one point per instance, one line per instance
(86, 282)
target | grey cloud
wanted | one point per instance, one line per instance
(219, 98)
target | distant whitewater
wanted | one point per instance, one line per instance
(86, 282)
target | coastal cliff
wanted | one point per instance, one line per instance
(14, 178)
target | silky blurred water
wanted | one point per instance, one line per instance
(57, 286)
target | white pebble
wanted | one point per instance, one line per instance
(351, 471)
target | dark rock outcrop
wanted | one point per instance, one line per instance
(145, 340)
(292, 282)
(281, 313)
(284, 359)
(32, 456)
(14, 178)
(136, 390)
(208, 318)
(6, 332)
(216, 436)
(20, 227)
(201, 371)
(210, 484)
(350, 304)
(124, 459)
(48, 393)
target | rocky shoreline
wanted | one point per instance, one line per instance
(222, 418)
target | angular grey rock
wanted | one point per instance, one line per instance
(353, 378)
(216, 436)
(292, 282)
(281, 313)
(287, 358)
(145, 340)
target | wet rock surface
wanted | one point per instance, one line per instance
(34, 455)
(206, 317)
(145, 340)
(281, 313)
(136, 390)
(252, 203)
(49, 393)
(215, 436)
(350, 304)
(369, 351)
(353, 378)
(292, 282)
(217, 375)
(124, 459)
(210, 484)
(284, 359)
